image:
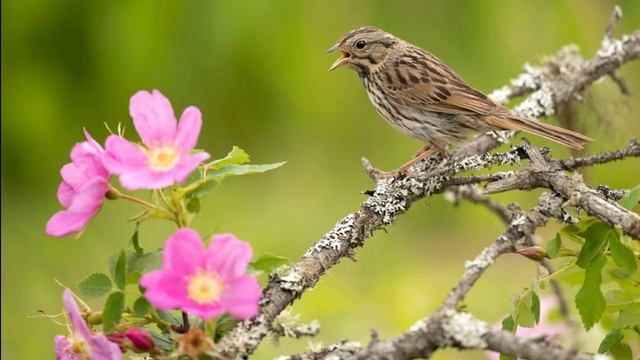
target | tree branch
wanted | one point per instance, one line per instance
(557, 81)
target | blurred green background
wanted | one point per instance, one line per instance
(257, 71)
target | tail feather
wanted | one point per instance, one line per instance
(554, 133)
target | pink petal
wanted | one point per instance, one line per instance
(74, 175)
(241, 297)
(228, 256)
(165, 289)
(188, 129)
(65, 194)
(122, 156)
(79, 325)
(103, 349)
(145, 178)
(153, 117)
(90, 197)
(204, 311)
(184, 252)
(61, 347)
(94, 144)
(64, 223)
(187, 165)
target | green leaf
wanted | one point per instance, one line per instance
(138, 264)
(136, 241)
(112, 312)
(596, 238)
(553, 246)
(508, 325)
(236, 170)
(266, 263)
(620, 253)
(193, 204)
(521, 310)
(629, 317)
(589, 299)
(236, 156)
(631, 199)
(223, 325)
(612, 339)
(621, 351)
(141, 306)
(95, 286)
(535, 306)
(120, 271)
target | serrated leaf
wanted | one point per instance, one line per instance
(628, 317)
(535, 306)
(267, 263)
(236, 156)
(612, 339)
(589, 299)
(236, 170)
(112, 312)
(95, 286)
(631, 199)
(595, 239)
(620, 253)
(120, 271)
(553, 246)
(135, 240)
(141, 306)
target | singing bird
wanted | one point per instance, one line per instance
(422, 97)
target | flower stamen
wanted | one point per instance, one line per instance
(205, 287)
(162, 158)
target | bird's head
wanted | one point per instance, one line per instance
(363, 49)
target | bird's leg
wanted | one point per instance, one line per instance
(426, 151)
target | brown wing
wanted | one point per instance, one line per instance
(420, 80)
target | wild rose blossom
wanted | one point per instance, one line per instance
(166, 155)
(83, 188)
(82, 344)
(204, 282)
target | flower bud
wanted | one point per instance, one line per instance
(140, 339)
(95, 318)
(112, 194)
(118, 338)
(535, 253)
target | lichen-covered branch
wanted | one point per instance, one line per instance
(558, 80)
(548, 173)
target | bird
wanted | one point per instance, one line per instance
(424, 98)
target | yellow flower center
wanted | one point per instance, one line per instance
(78, 346)
(163, 157)
(205, 287)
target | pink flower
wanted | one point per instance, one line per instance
(82, 344)
(204, 282)
(84, 185)
(166, 155)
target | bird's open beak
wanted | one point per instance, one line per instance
(341, 60)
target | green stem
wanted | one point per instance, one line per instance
(569, 265)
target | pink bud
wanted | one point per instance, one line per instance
(140, 339)
(535, 253)
(119, 339)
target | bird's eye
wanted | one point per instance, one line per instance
(360, 44)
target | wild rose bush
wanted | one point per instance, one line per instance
(187, 289)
